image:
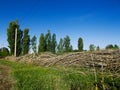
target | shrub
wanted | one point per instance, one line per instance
(4, 52)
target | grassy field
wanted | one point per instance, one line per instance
(29, 77)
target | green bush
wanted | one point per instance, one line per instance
(4, 52)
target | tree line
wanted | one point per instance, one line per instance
(47, 42)
(92, 47)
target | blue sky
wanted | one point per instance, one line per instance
(96, 21)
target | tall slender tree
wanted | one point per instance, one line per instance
(48, 41)
(53, 43)
(11, 37)
(26, 41)
(41, 47)
(19, 42)
(68, 46)
(34, 43)
(80, 44)
(60, 47)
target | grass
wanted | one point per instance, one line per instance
(29, 77)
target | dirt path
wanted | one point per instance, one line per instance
(5, 82)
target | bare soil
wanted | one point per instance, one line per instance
(5, 82)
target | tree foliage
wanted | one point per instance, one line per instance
(34, 43)
(64, 45)
(11, 37)
(19, 42)
(60, 47)
(92, 47)
(80, 44)
(4, 52)
(116, 46)
(42, 43)
(53, 43)
(97, 48)
(68, 46)
(26, 41)
(48, 41)
(110, 46)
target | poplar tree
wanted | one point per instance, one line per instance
(41, 47)
(26, 41)
(48, 41)
(80, 44)
(11, 37)
(53, 43)
(60, 47)
(34, 43)
(68, 46)
(19, 42)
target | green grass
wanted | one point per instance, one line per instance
(29, 77)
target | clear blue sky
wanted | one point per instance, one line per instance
(96, 21)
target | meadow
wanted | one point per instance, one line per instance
(30, 77)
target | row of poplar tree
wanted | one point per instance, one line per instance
(23, 39)
(47, 42)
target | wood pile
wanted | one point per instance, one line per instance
(109, 59)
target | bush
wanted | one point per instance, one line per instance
(110, 46)
(4, 52)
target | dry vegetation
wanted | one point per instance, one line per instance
(110, 59)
